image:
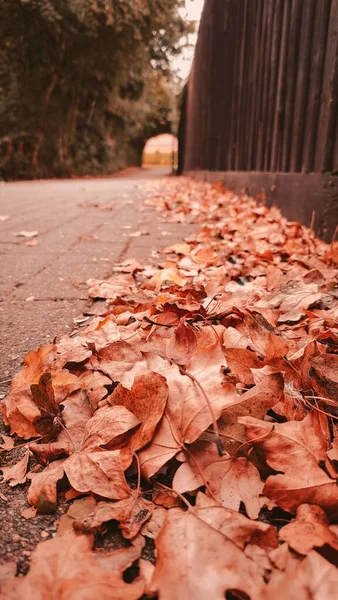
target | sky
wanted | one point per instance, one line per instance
(191, 12)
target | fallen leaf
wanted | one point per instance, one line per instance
(255, 402)
(95, 384)
(16, 474)
(116, 359)
(235, 480)
(314, 577)
(42, 493)
(18, 409)
(170, 275)
(294, 449)
(240, 362)
(110, 427)
(98, 472)
(28, 513)
(179, 248)
(310, 529)
(66, 567)
(26, 234)
(8, 443)
(324, 374)
(205, 562)
(131, 513)
(146, 400)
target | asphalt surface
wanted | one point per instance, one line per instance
(43, 287)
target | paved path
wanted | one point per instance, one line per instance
(74, 244)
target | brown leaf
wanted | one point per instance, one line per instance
(80, 509)
(95, 384)
(109, 428)
(235, 480)
(255, 402)
(98, 472)
(162, 448)
(314, 577)
(112, 288)
(16, 474)
(171, 274)
(205, 562)
(131, 513)
(293, 300)
(309, 530)
(48, 422)
(18, 409)
(179, 248)
(8, 443)
(146, 400)
(235, 526)
(28, 513)
(229, 481)
(116, 359)
(189, 476)
(294, 450)
(26, 234)
(51, 450)
(188, 412)
(71, 350)
(177, 343)
(64, 383)
(324, 374)
(240, 362)
(67, 569)
(42, 493)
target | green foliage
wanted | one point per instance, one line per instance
(83, 83)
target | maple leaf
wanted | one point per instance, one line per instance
(97, 472)
(313, 577)
(324, 375)
(146, 400)
(240, 362)
(110, 427)
(67, 569)
(256, 402)
(177, 344)
(42, 493)
(309, 530)
(229, 481)
(205, 562)
(293, 299)
(295, 449)
(188, 411)
(115, 359)
(16, 474)
(131, 513)
(235, 480)
(234, 525)
(94, 383)
(170, 274)
(89, 468)
(18, 409)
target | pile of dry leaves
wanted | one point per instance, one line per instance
(199, 411)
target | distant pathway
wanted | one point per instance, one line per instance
(43, 287)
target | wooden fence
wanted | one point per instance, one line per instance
(262, 98)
